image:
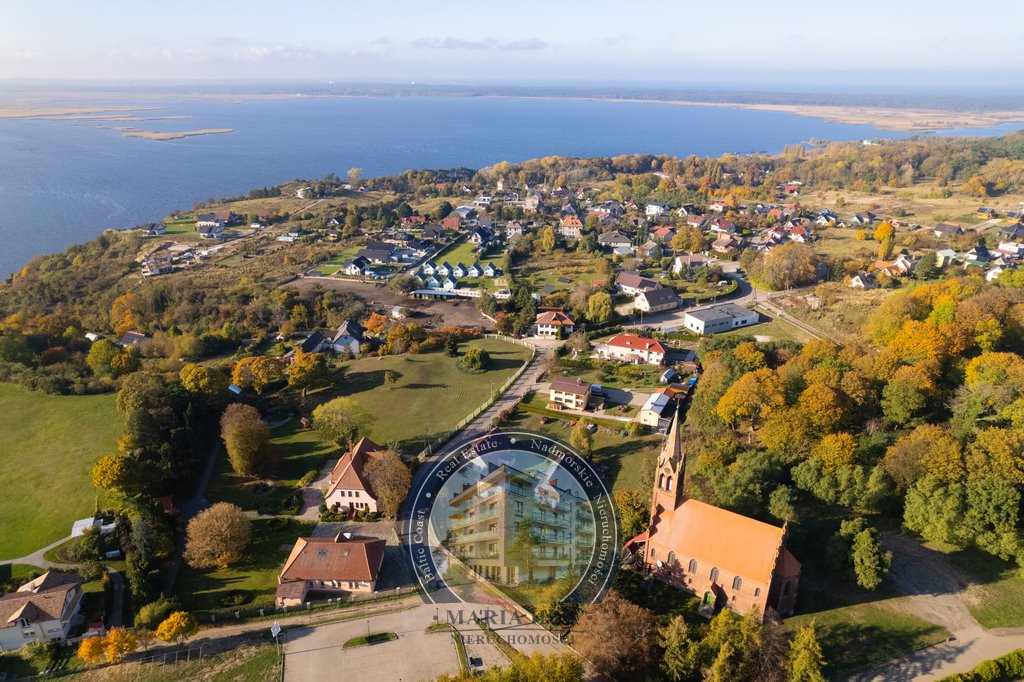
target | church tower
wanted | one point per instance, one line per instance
(668, 479)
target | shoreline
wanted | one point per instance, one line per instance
(891, 119)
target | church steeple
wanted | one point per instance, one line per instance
(668, 479)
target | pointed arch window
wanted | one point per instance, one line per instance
(668, 485)
(661, 481)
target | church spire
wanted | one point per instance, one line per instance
(668, 480)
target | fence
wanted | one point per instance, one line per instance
(270, 610)
(439, 441)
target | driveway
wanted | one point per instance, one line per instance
(935, 592)
(313, 654)
(394, 571)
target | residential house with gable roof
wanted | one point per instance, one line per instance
(329, 565)
(633, 349)
(42, 609)
(347, 484)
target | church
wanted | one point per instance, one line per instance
(727, 559)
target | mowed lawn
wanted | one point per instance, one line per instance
(48, 445)
(431, 394)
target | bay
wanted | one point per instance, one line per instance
(63, 182)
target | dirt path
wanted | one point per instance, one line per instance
(936, 592)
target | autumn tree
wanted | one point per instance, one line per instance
(581, 439)
(599, 307)
(618, 637)
(835, 450)
(247, 440)
(390, 379)
(342, 420)
(389, 478)
(116, 473)
(997, 452)
(92, 650)
(308, 370)
(177, 627)
(787, 434)
(805, 657)
(118, 643)
(127, 313)
(752, 397)
(257, 372)
(884, 231)
(927, 449)
(216, 537)
(785, 266)
(547, 239)
(207, 384)
(822, 407)
(749, 355)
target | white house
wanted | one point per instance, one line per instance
(655, 210)
(429, 268)
(449, 284)
(474, 270)
(633, 349)
(554, 323)
(459, 270)
(347, 485)
(348, 337)
(443, 269)
(41, 609)
(657, 300)
(719, 318)
(651, 412)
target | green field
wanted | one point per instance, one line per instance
(544, 269)
(299, 450)
(774, 328)
(619, 458)
(462, 252)
(252, 580)
(431, 395)
(995, 592)
(860, 636)
(47, 448)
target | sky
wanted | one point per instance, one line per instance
(868, 45)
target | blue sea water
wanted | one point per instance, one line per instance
(62, 182)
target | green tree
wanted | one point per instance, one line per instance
(633, 511)
(782, 504)
(101, 354)
(247, 440)
(902, 402)
(927, 267)
(342, 420)
(581, 439)
(806, 659)
(870, 563)
(451, 346)
(599, 307)
(677, 661)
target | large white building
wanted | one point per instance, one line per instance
(634, 349)
(719, 318)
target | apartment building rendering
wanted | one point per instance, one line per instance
(513, 527)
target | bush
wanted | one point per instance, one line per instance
(308, 478)
(153, 613)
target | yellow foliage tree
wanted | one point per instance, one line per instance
(752, 397)
(884, 231)
(997, 452)
(177, 627)
(113, 473)
(928, 449)
(92, 650)
(835, 450)
(749, 355)
(822, 406)
(126, 313)
(257, 372)
(119, 643)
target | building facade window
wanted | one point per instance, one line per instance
(693, 566)
(737, 583)
(714, 575)
(757, 591)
